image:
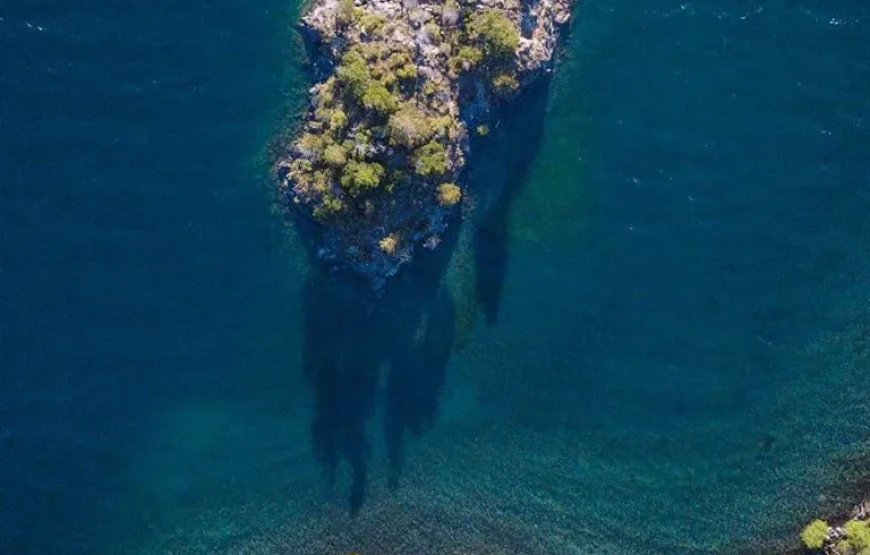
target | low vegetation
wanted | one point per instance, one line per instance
(449, 194)
(858, 536)
(852, 538)
(430, 159)
(815, 533)
(494, 34)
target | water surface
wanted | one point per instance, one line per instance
(649, 336)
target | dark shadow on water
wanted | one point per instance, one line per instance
(499, 169)
(362, 349)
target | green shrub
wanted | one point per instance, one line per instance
(320, 181)
(359, 177)
(326, 94)
(504, 83)
(409, 127)
(335, 155)
(312, 145)
(429, 88)
(372, 23)
(858, 533)
(401, 66)
(378, 99)
(300, 166)
(322, 114)
(349, 147)
(433, 31)
(372, 51)
(330, 206)
(386, 77)
(353, 72)
(406, 72)
(389, 244)
(496, 34)
(466, 58)
(337, 121)
(398, 59)
(301, 179)
(430, 159)
(359, 144)
(310, 181)
(449, 194)
(346, 13)
(815, 533)
(442, 124)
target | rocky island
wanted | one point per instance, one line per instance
(400, 85)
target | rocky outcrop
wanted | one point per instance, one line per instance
(400, 86)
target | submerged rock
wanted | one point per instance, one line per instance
(400, 83)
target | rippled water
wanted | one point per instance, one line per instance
(649, 336)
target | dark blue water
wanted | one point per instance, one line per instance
(649, 336)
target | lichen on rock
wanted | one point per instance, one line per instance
(377, 163)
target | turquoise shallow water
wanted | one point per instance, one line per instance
(649, 336)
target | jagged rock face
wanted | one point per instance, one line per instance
(401, 82)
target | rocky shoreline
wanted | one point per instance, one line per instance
(401, 84)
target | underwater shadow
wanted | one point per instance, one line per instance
(363, 350)
(500, 166)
